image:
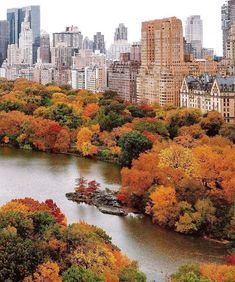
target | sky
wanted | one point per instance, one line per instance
(105, 15)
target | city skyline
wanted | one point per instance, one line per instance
(66, 16)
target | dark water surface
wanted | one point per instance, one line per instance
(42, 176)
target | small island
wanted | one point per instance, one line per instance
(105, 200)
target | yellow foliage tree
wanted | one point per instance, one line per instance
(163, 206)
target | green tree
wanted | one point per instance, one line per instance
(19, 258)
(188, 273)
(65, 115)
(42, 221)
(131, 274)
(132, 144)
(110, 121)
(80, 274)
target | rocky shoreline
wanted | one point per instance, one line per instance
(107, 203)
(105, 200)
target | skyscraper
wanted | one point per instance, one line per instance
(194, 34)
(26, 41)
(44, 53)
(71, 37)
(13, 22)
(16, 16)
(162, 61)
(4, 39)
(227, 18)
(87, 44)
(120, 32)
(120, 44)
(99, 44)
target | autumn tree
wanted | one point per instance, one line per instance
(48, 271)
(84, 142)
(163, 206)
(212, 123)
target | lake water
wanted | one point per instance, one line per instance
(48, 176)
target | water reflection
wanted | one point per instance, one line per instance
(42, 176)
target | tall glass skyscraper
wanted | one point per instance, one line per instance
(4, 39)
(16, 16)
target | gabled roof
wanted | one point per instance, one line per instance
(201, 83)
(226, 83)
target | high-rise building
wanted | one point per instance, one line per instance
(13, 55)
(26, 41)
(194, 34)
(44, 52)
(15, 18)
(162, 61)
(4, 40)
(122, 77)
(61, 56)
(71, 37)
(120, 33)
(117, 48)
(136, 52)
(227, 18)
(99, 43)
(120, 44)
(87, 44)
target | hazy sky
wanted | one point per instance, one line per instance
(105, 15)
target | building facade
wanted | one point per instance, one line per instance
(209, 93)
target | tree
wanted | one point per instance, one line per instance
(64, 114)
(132, 144)
(111, 120)
(188, 273)
(179, 158)
(190, 190)
(19, 258)
(62, 143)
(163, 206)
(183, 117)
(216, 172)
(220, 273)
(48, 271)
(84, 144)
(212, 123)
(228, 131)
(131, 274)
(81, 274)
(90, 110)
